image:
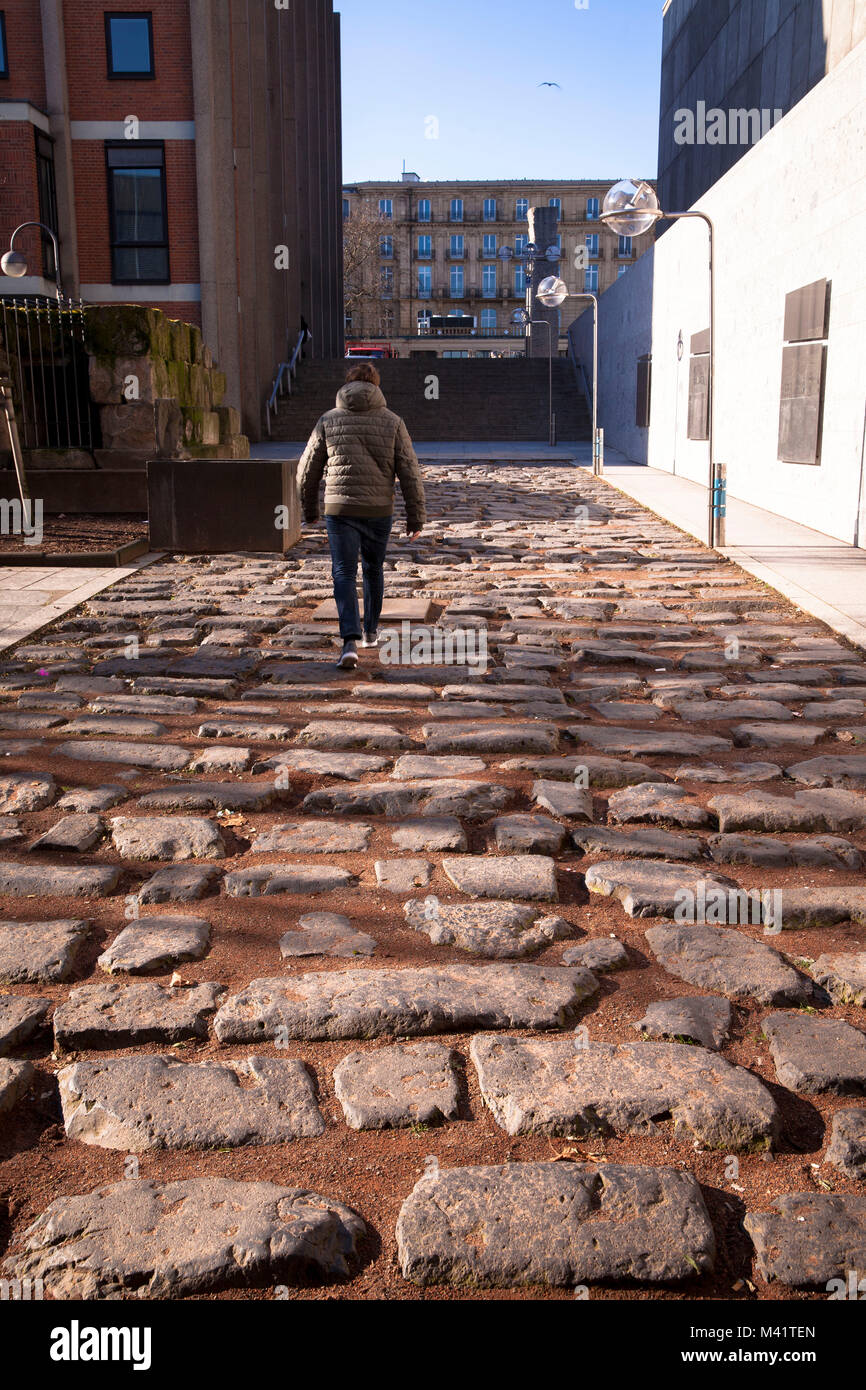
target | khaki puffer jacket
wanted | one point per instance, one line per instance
(360, 447)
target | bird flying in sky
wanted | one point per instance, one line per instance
(549, 84)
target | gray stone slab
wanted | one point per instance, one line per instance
(34, 952)
(499, 931)
(726, 960)
(734, 772)
(698, 1019)
(816, 1055)
(152, 945)
(214, 761)
(528, 834)
(348, 735)
(313, 837)
(76, 833)
(412, 765)
(393, 1087)
(406, 1002)
(84, 800)
(601, 955)
(164, 757)
(37, 880)
(141, 1103)
(563, 799)
(111, 1014)
(430, 833)
(810, 1238)
(648, 802)
(650, 741)
(402, 875)
(429, 797)
(831, 810)
(178, 883)
(490, 736)
(592, 771)
(638, 844)
(847, 772)
(650, 888)
(326, 934)
(207, 796)
(114, 726)
(794, 908)
(21, 1017)
(256, 731)
(847, 1147)
(15, 1078)
(772, 736)
(823, 851)
(196, 1236)
(554, 1224)
(531, 876)
(349, 767)
(843, 975)
(565, 1086)
(166, 837)
(264, 880)
(26, 791)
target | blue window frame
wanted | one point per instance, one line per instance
(489, 247)
(457, 244)
(519, 279)
(386, 247)
(425, 281)
(556, 203)
(488, 282)
(520, 244)
(592, 209)
(457, 282)
(386, 207)
(625, 248)
(137, 213)
(423, 209)
(129, 44)
(456, 209)
(425, 247)
(489, 210)
(488, 320)
(592, 243)
(590, 279)
(346, 208)
(4, 53)
(521, 209)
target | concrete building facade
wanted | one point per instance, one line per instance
(439, 255)
(188, 155)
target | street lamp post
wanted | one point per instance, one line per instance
(532, 253)
(552, 292)
(631, 208)
(522, 316)
(14, 263)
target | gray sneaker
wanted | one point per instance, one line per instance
(370, 639)
(349, 658)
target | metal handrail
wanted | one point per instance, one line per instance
(285, 373)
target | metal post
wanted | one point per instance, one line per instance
(542, 323)
(15, 443)
(54, 243)
(720, 504)
(601, 453)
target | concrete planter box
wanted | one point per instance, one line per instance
(222, 506)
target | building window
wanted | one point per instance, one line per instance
(592, 245)
(457, 245)
(425, 247)
(456, 282)
(489, 244)
(590, 280)
(425, 281)
(138, 216)
(47, 200)
(456, 209)
(346, 208)
(520, 245)
(592, 209)
(488, 320)
(386, 282)
(129, 44)
(519, 279)
(450, 352)
(521, 209)
(623, 270)
(489, 209)
(386, 247)
(625, 248)
(488, 282)
(424, 210)
(4, 56)
(386, 207)
(556, 203)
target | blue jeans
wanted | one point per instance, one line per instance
(349, 537)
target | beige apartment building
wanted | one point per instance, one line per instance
(439, 257)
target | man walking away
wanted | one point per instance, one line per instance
(360, 448)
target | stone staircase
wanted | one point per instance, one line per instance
(478, 399)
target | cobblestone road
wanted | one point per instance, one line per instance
(542, 976)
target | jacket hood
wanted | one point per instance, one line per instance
(360, 396)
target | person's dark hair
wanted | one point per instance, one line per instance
(363, 371)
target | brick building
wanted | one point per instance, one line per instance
(439, 254)
(187, 153)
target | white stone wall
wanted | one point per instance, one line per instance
(792, 211)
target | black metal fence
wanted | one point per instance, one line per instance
(42, 341)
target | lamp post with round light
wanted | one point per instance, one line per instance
(14, 263)
(552, 292)
(631, 208)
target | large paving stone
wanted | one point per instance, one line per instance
(178, 883)
(560, 1086)
(601, 955)
(500, 930)
(734, 772)
(821, 851)
(429, 797)
(727, 960)
(263, 880)
(528, 834)
(164, 757)
(554, 1224)
(700, 1018)
(335, 735)
(846, 772)
(196, 1236)
(810, 1238)
(843, 975)
(114, 725)
(815, 1055)
(349, 767)
(530, 876)
(110, 1014)
(411, 765)
(638, 844)
(38, 880)
(407, 1002)
(847, 1147)
(595, 772)
(490, 737)
(40, 951)
(15, 1078)
(651, 741)
(26, 791)
(649, 802)
(151, 945)
(561, 799)
(772, 736)
(430, 833)
(793, 908)
(326, 934)
(139, 1103)
(402, 876)
(406, 1084)
(655, 888)
(21, 1017)
(259, 731)
(208, 796)
(75, 833)
(830, 810)
(166, 837)
(313, 837)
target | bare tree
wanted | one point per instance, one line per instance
(362, 233)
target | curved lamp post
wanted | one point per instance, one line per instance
(552, 292)
(523, 316)
(631, 208)
(14, 263)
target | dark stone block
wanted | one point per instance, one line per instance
(212, 506)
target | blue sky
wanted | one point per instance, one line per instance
(475, 66)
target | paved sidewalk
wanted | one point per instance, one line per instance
(823, 576)
(31, 597)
